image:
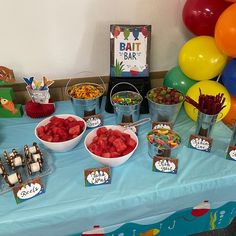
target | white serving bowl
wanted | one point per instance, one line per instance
(60, 146)
(115, 161)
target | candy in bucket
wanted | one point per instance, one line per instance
(209, 108)
(126, 104)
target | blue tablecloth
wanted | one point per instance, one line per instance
(135, 193)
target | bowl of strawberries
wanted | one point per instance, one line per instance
(111, 145)
(60, 133)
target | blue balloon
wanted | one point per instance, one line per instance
(229, 77)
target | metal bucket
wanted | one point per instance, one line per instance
(205, 124)
(87, 107)
(163, 112)
(233, 137)
(156, 148)
(126, 113)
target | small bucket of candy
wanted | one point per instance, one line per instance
(164, 104)
(162, 141)
(126, 104)
(86, 98)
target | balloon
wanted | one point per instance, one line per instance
(200, 16)
(175, 78)
(230, 1)
(225, 31)
(230, 118)
(200, 59)
(207, 87)
(229, 77)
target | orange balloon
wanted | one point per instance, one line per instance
(230, 118)
(225, 31)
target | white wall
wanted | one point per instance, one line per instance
(60, 38)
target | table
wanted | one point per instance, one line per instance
(137, 200)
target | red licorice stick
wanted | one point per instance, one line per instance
(208, 104)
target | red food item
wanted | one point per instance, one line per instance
(60, 129)
(37, 110)
(111, 143)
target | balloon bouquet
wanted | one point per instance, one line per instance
(210, 54)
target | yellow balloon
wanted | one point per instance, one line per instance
(200, 59)
(211, 88)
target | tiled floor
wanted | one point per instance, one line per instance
(229, 231)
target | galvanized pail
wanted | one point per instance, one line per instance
(205, 123)
(163, 112)
(233, 137)
(126, 113)
(89, 106)
(161, 145)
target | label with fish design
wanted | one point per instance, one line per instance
(93, 121)
(200, 143)
(97, 176)
(165, 165)
(161, 125)
(28, 190)
(231, 153)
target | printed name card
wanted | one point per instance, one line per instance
(97, 176)
(165, 165)
(200, 143)
(231, 153)
(161, 125)
(93, 121)
(25, 191)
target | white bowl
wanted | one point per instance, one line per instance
(60, 146)
(116, 161)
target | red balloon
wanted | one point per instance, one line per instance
(200, 16)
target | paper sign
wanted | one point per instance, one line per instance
(231, 153)
(97, 176)
(161, 125)
(130, 46)
(200, 143)
(133, 128)
(28, 190)
(93, 121)
(165, 165)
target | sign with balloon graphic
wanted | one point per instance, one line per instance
(210, 54)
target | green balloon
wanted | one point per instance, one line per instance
(175, 78)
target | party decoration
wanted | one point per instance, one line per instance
(211, 88)
(225, 31)
(6, 75)
(7, 107)
(229, 77)
(200, 16)
(41, 105)
(130, 46)
(230, 118)
(176, 79)
(38, 90)
(200, 59)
